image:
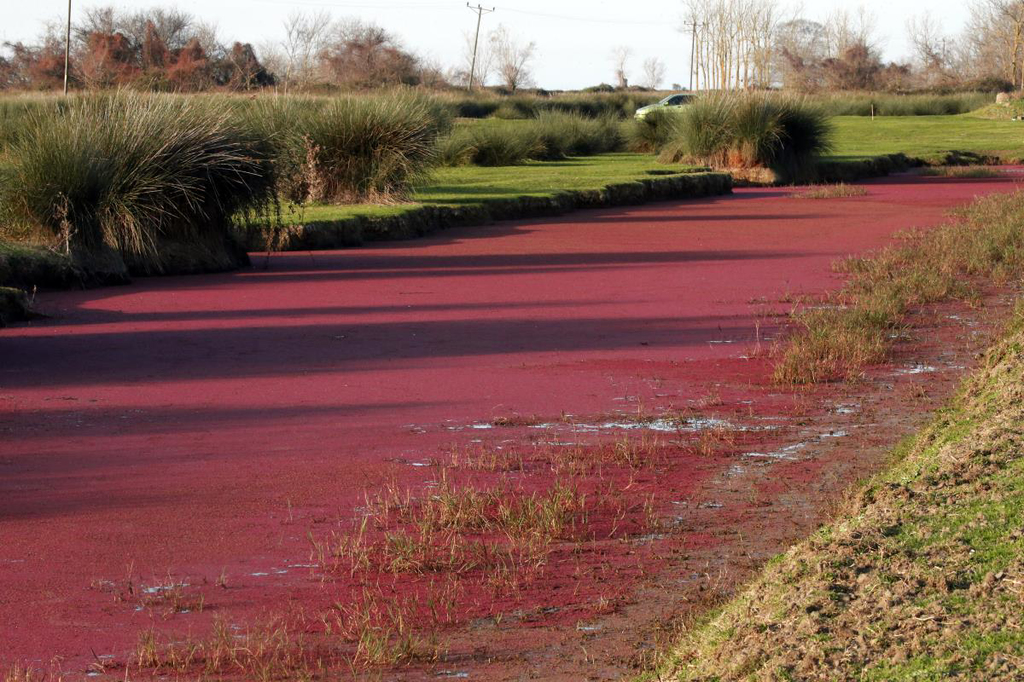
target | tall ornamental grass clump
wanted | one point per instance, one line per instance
(548, 137)
(487, 145)
(350, 149)
(155, 180)
(572, 134)
(754, 130)
(653, 132)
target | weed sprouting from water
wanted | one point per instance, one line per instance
(836, 191)
(984, 243)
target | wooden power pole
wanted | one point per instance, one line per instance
(67, 50)
(480, 12)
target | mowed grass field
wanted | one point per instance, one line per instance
(467, 185)
(856, 137)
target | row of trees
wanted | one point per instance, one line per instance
(731, 44)
(160, 49)
(755, 44)
(171, 50)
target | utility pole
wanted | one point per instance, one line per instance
(480, 12)
(693, 52)
(67, 50)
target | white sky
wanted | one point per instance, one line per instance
(574, 37)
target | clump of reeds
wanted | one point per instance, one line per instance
(150, 178)
(838, 190)
(961, 172)
(351, 149)
(552, 135)
(487, 145)
(750, 130)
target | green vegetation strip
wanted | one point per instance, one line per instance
(921, 579)
(926, 137)
(474, 196)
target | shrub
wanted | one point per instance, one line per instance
(488, 145)
(750, 130)
(474, 108)
(159, 180)
(571, 134)
(350, 149)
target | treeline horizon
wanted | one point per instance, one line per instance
(736, 44)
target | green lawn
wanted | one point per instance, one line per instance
(859, 137)
(473, 184)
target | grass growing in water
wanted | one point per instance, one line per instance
(837, 191)
(920, 578)
(983, 241)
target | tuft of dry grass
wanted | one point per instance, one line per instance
(920, 577)
(983, 243)
(18, 673)
(837, 191)
(961, 172)
(263, 653)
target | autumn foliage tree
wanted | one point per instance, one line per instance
(154, 49)
(365, 56)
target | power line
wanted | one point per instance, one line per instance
(340, 4)
(592, 20)
(352, 5)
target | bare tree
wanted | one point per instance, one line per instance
(512, 58)
(654, 73)
(994, 40)
(306, 36)
(932, 53)
(484, 62)
(620, 57)
(800, 48)
(845, 29)
(733, 41)
(363, 55)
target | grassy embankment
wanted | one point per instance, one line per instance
(472, 185)
(920, 578)
(856, 137)
(922, 575)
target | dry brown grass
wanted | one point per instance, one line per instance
(920, 577)
(836, 191)
(961, 171)
(982, 244)
(18, 673)
(266, 652)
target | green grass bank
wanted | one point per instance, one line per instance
(922, 578)
(921, 575)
